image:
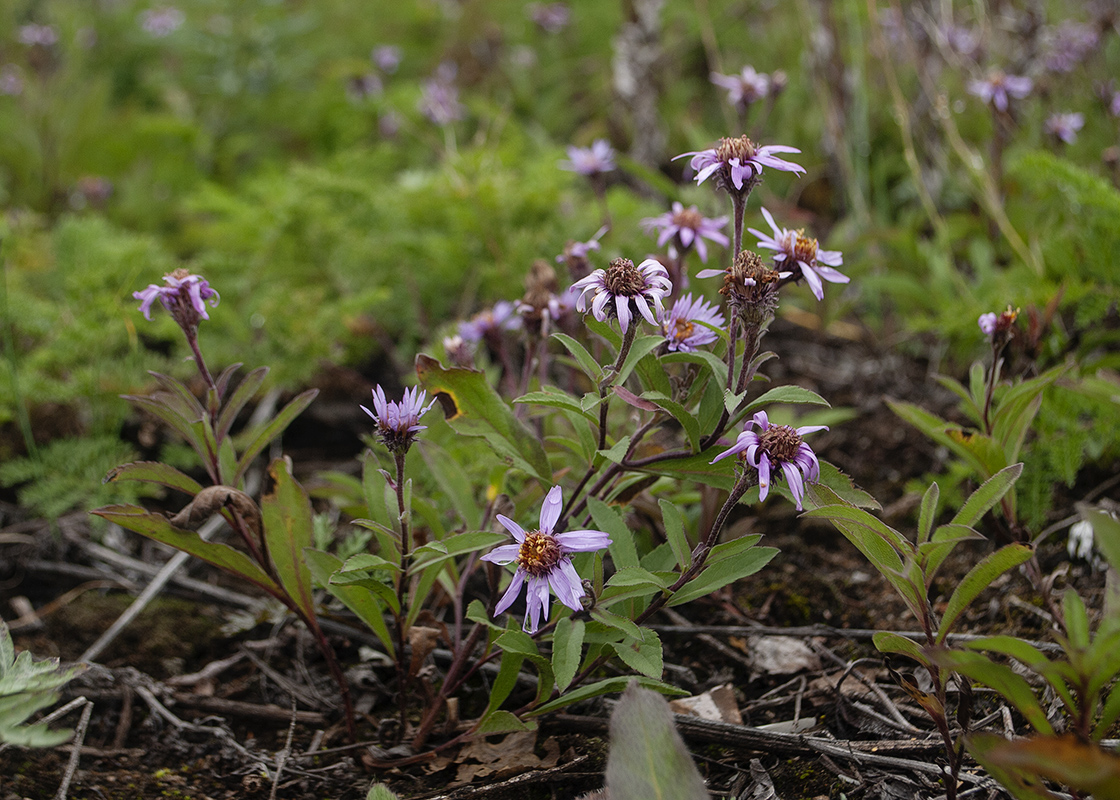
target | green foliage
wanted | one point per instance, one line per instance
(28, 686)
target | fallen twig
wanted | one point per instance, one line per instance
(76, 752)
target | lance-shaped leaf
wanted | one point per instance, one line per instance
(270, 430)
(648, 759)
(583, 359)
(978, 579)
(567, 647)
(1021, 765)
(158, 527)
(1000, 677)
(286, 515)
(473, 408)
(241, 395)
(989, 493)
(887, 642)
(356, 598)
(154, 472)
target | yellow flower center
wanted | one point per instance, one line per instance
(741, 148)
(804, 248)
(539, 553)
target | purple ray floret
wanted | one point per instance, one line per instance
(399, 422)
(774, 447)
(681, 325)
(182, 290)
(688, 227)
(544, 562)
(794, 247)
(590, 161)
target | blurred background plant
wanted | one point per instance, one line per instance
(357, 182)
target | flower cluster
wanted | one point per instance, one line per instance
(777, 447)
(184, 297)
(737, 163)
(398, 423)
(544, 561)
(619, 285)
(687, 228)
(794, 246)
(1064, 127)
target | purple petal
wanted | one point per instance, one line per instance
(550, 509)
(583, 541)
(763, 477)
(814, 282)
(512, 591)
(505, 554)
(515, 530)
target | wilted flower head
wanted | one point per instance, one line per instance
(161, 22)
(387, 58)
(998, 327)
(681, 325)
(549, 17)
(745, 88)
(11, 82)
(491, 322)
(751, 287)
(38, 35)
(1065, 126)
(621, 284)
(184, 297)
(539, 304)
(398, 423)
(544, 562)
(439, 99)
(999, 86)
(590, 161)
(1067, 45)
(774, 447)
(688, 227)
(737, 163)
(795, 247)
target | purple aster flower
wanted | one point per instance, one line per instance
(502, 317)
(962, 40)
(999, 86)
(387, 57)
(40, 35)
(988, 322)
(439, 99)
(688, 227)
(621, 284)
(1065, 126)
(161, 22)
(681, 325)
(737, 163)
(544, 562)
(398, 423)
(590, 161)
(777, 446)
(549, 17)
(998, 326)
(796, 246)
(745, 88)
(751, 287)
(184, 297)
(11, 82)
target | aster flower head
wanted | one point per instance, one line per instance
(688, 228)
(544, 562)
(681, 326)
(998, 327)
(549, 17)
(794, 247)
(398, 423)
(1065, 126)
(184, 297)
(621, 284)
(998, 87)
(491, 322)
(774, 447)
(744, 89)
(386, 57)
(737, 163)
(751, 287)
(590, 161)
(575, 255)
(439, 99)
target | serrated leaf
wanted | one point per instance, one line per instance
(587, 363)
(688, 422)
(615, 621)
(567, 647)
(643, 655)
(787, 395)
(622, 549)
(978, 579)
(642, 346)
(556, 399)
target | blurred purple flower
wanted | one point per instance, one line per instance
(439, 99)
(1067, 45)
(988, 322)
(398, 423)
(41, 35)
(184, 297)
(961, 40)
(997, 327)
(502, 317)
(1065, 126)
(745, 88)
(549, 17)
(680, 325)
(544, 562)
(590, 161)
(777, 446)
(11, 81)
(737, 163)
(797, 247)
(999, 86)
(387, 58)
(622, 283)
(689, 227)
(577, 250)
(161, 22)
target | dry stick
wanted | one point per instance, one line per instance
(76, 752)
(282, 757)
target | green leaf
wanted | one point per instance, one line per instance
(845, 513)
(506, 680)
(476, 409)
(887, 642)
(26, 687)
(602, 687)
(928, 513)
(989, 493)
(502, 722)
(681, 414)
(1003, 679)
(155, 472)
(1023, 764)
(643, 655)
(608, 520)
(587, 363)
(642, 346)
(704, 358)
(190, 431)
(621, 623)
(554, 398)
(241, 395)
(158, 527)
(1031, 657)
(358, 599)
(1106, 534)
(286, 518)
(380, 791)
(271, 429)
(978, 579)
(636, 576)
(648, 760)
(1077, 620)
(721, 573)
(455, 545)
(452, 481)
(613, 337)
(788, 395)
(567, 647)
(674, 533)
